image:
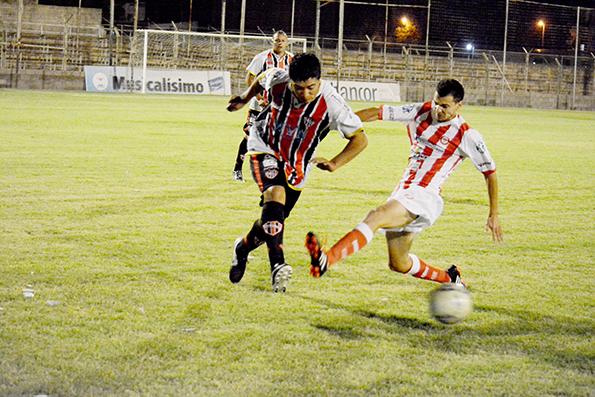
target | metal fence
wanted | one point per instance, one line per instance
(507, 52)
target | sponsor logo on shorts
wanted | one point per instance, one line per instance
(270, 166)
(481, 147)
(271, 174)
(269, 162)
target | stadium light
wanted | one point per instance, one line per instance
(541, 24)
(404, 20)
(470, 47)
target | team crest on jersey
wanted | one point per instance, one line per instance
(481, 147)
(444, 140)
(309, 122)
(273, 228)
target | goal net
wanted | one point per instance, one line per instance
(160, 49)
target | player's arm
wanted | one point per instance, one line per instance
(238, 102)
(250, 78)
(369, 114)
(357, 143)
(493, 223)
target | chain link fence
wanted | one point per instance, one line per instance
(506, 52)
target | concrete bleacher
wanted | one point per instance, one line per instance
(57, 42)
(51, 39)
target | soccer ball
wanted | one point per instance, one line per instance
(450, 303)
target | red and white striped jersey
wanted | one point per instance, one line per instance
(292, 131)
(437, 148)
(264, 61)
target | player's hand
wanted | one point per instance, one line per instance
(324, 164)
(263, 102)
(493, 226)
(235, 103)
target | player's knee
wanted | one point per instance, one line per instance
(400, 265)
(374, 218)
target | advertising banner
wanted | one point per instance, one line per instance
(368, 92)
(188, 82)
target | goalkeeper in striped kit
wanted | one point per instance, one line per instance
(276, 57)
(440, 141)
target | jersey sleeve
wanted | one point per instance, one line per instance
(474, 147)
(403, 113)
(272, 77)
(342, 118)
(255, 67)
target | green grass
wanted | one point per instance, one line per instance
(122, 209)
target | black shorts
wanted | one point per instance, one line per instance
(267, 171)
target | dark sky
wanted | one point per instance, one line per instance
(164, 11)
(455, 21)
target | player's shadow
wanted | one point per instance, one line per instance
(349, 330)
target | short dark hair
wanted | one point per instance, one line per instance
(304, 66)
(452, 87)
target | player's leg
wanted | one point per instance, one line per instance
(268, 173)
(237, 169)
(391, 214)
(401, 261)
(243, 148)
(273, 223)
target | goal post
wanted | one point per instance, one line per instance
(161, 49)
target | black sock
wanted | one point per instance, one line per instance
(241, 155)
(255, 238)
(273, 218)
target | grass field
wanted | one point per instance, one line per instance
(119, 212)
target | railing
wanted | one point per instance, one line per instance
(531, 79)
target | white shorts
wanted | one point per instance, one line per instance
(424, 203)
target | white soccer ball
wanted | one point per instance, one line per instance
(450, 303)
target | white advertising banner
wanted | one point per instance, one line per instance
(368, 92)
(189, 82)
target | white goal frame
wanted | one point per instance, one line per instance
(164, 49)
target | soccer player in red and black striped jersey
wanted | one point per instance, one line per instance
(440, 140)
(276, 57)
(282, 146)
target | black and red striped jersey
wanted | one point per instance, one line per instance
(292, 131)
(264, 61)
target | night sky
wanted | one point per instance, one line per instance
(460, 21)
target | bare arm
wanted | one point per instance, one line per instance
(238, 102)
(249, 79)
(357, 143)
(370, 114)
(493, 223)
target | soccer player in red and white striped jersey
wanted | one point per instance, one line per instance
(276, 57)
(282, 145)
(440, 140)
